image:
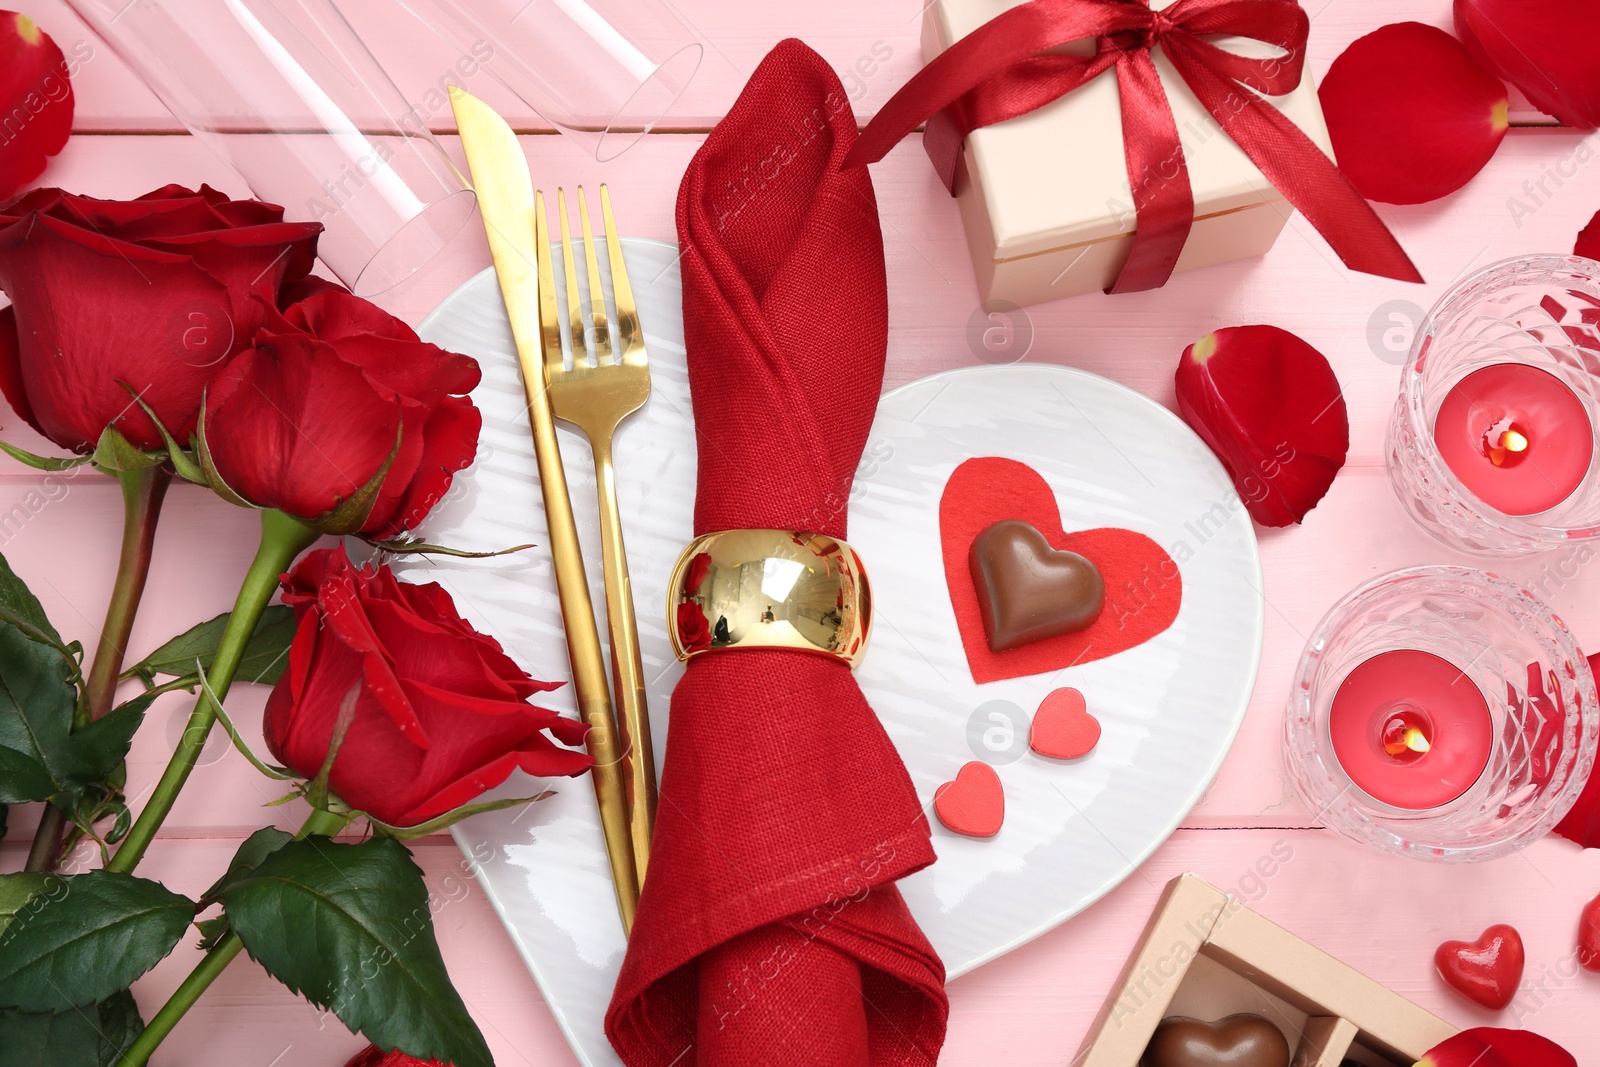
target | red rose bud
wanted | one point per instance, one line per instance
(1589, 936)
(1269, 406)
(157, 294)
(1546, 48)
(441, 712)
(1588, 243)
(1489, 1046)
(35, 101)
(1411, 115)
(339, 404)
(694, 630)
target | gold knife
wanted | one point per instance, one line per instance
(505, 199)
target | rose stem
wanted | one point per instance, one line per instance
(282, 539)
(324, 823)
(142, 494)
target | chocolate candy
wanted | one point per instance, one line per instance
(1028, 591)
(1237, 1041)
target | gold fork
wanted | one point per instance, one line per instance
(596, 398)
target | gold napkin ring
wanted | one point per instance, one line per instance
(770, 589)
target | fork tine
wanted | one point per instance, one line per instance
(549, 323)
(580, 347)
(597, 297)
(621, 290)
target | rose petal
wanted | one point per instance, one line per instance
(1582, 822)
(373, 1056)
(1588, 243)
(1546, 48)
(11, 367)
(1411, 115)
(292, 426)
(1270, 407)
(36, 101)
(1490, 1046)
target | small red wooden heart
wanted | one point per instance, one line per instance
(1143, 588)
(1589, 936)
(1487, 970)
(1062, 727)
(974, 804)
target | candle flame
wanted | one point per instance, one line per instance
(1416, 740)
(1506, 443)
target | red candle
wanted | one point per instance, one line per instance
(1410, 729)
(1516, 436)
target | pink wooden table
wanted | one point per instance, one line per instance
(1385, 916)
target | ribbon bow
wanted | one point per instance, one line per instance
(1004, 69)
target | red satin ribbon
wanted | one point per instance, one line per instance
(1000, 71)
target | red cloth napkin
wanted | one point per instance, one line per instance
(770, 930)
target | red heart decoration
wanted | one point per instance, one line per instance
(1487, 970)
(1589, 936)
(1062, 727)
(974, 804)
(1143, 585)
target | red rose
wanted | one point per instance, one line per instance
(35, 100)
(695, 577)
(310, 414)
(694, 631)
(441, 712)
(155, 293)
(373, 1056)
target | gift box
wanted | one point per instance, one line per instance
(1046, 197)
(1204, 955)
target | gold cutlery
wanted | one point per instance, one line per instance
(596, 397)
(506, 200)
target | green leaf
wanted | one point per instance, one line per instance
(98, 748)
(19, 888)
(120, 1026)
(266, 654)
(212, 931)
(43, 463)
(349, 928)
(95, 1035)
(94, 939)
(19, 606)
(22, 778)
(115, 455)
(36, 704)
(256, 848)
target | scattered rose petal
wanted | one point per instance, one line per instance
(1589, 239)
(35, 101)
(1582, 823)
(1491, 1046)
(1589, 936)
(1411, 115)
(1270, 407)
(1546, 48)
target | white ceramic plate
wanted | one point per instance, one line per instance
(1169, 708)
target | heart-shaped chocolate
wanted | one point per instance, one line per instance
(1237, 1041)
(1487, 970)
(1027, 590)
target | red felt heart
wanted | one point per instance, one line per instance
(1487, 970)
(1062, 727)
(974, 804)
(1142, 583)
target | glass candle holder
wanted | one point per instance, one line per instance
(601, 71)
(1493, 443)
(287, 93)
(1362, 716)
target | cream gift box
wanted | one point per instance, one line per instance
(1045, 197)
